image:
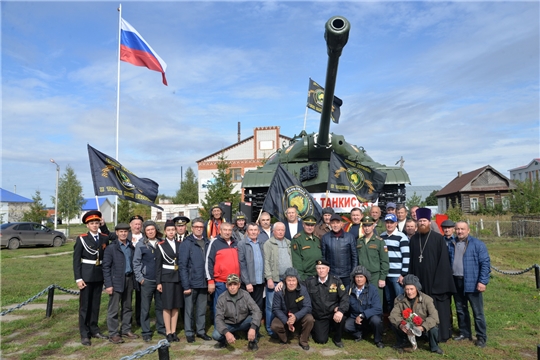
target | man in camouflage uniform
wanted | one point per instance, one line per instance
(373, 254)
(306, 249)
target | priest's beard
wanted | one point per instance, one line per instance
(423, 228)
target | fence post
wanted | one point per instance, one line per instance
(163, 353)
(498, 229)
(481, 224)
(50, 299)
(537, 275)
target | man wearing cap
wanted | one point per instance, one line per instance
(277, 259)
(292, 308)
(375, 213)
(88, 253)
(365, 311)
(144, 268)
(239, 229)
(293, 224)
(448, 227)
(323, 226)
(180, 225)
(212, 228)
(391, 208)
(330, 303)
(192, 272)
(373, 255)
(471, 267)
(119, 281)
(251, 256)
(355, 226)
(306, 249)
(433, 224)
(236, 311)
(401, 214)
(397, 245)
(420, 304)
(431, 263)
(221, 260)
(338, 248)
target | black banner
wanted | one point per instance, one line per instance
(111, 178)
(316, 97)
(286, 191)
(346, 176)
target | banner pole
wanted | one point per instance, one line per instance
(118, 102)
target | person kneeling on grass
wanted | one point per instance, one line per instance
(416, 306)
(236, 311)
(292, 308)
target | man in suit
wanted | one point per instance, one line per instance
(87, 256)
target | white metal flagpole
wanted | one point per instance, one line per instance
(118, 102)
(305, 117)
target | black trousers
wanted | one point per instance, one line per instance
(432, 335)
(138, 306)
(257, 295)
(322, 327)
(89, 303)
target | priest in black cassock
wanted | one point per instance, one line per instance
(430, 262)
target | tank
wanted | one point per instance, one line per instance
(307, 156)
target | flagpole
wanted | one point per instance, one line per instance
(118, 102)
(305, 117)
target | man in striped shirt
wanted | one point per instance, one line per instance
(397, 244)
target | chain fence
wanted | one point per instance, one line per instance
(520, 272)
(41, 293)
(161, 345)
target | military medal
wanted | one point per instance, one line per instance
(175, 265)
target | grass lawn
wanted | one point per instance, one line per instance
(512, 306)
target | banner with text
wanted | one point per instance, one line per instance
(341, 203)
(111, 178)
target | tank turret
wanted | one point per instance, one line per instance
(307, 156)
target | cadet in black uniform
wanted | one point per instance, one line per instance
(168, 279)
(87, 256)
(329, 301)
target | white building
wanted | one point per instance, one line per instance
(170, 211)
(530, 171)
(105, 207)
(13, 206)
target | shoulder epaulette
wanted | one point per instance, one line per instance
(83, 235)
(161, 242)
(297, 235)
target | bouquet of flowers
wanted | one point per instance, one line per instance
(411, 320)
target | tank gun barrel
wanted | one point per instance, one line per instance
(336, 35)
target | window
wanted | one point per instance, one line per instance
(505, 203)
(266, 145)
(474, 204)
(236, 174)
(158, 216)
(490, 202)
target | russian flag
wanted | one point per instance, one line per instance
(135, 50)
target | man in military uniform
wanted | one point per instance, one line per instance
(373, 254)
(87, 256)
(306, 249)
(180, 224)
(329, 301)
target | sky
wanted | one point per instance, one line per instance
(450, 86)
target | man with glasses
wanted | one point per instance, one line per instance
(373, 255)
(306, 249)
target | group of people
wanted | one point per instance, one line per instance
(315, 277)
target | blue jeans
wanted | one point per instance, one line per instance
(243, 326)
(221, 287)
(462, 301)
(269, 314)
(391, 291)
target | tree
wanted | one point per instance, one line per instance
(221, 189)
(70, 197)
(125, 211)
(415, 200)
(525, 199)
(431, 200)
(454, 212)
(189, 189)
(37, 210)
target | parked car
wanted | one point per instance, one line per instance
(13, 235)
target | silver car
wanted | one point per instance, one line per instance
(13, 235)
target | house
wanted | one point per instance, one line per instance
(481, 187)
(242, 156)
(13, 206)
(105, 206)
(170, 211)
(530, 171)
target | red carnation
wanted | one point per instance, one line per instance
(417, 320)
(407, 313)
(403, 322)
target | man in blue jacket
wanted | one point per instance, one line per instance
(339, 249)
(118, 279)
(291, 308)
(471, 267)
(365, 311)
(192, 273)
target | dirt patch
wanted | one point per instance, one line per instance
(10, 317)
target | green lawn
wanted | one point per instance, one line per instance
(512, 306)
